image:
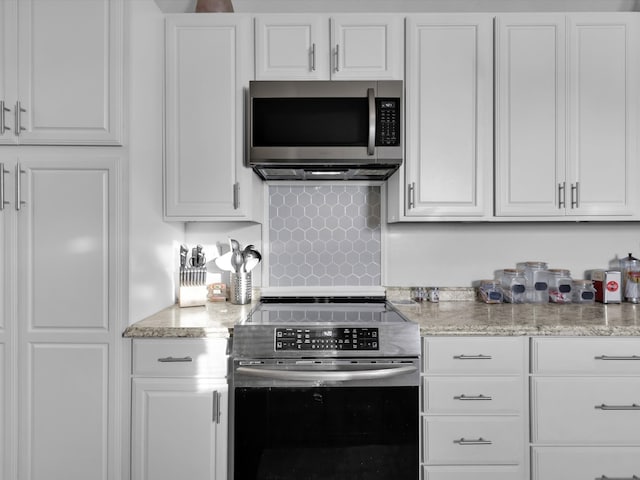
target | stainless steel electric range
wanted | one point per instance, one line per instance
(325, 389)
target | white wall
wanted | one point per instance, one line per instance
(458, 254)
(153, 243)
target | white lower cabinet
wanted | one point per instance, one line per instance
(63, 291)
(585, 401)
(474, 413)
(472, 473)
(579, 463)
(179, 409)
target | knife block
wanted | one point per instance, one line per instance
(192, 295)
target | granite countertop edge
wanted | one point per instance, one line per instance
(459, 315)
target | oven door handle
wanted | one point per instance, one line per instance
(327, 375)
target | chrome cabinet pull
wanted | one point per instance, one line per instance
(215, 408)
(371, 146)
(633, 406)
(479, 441)
(561, 200)
(604, 477)
(236, 196)
(3, 119)
(473, 397)
(472, 357)
(175, 360)
(19, 201)
(18, 128)
(411, 195)
(617, 357)
(575, 195)
(337, 67)
(313, 57)
(3, 202)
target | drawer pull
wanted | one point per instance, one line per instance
(472, 357)
(632, 477)
(175, 360)
(473, 397)
(479, 441)
(633, 406)
(617, 357)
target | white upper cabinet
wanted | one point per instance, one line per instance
(208, 68)
(566, 104)
(449, 118)
(319, 47)
(61, 72)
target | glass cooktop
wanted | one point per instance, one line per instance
(325, 310)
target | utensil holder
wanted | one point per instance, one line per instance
(240, 291)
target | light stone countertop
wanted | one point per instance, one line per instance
(459, 316)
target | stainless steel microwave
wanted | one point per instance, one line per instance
(325, 130)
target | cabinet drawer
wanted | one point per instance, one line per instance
(473, 441)
(580, 463)
(476, 472)
(180, 357)
(586, 356)
(473, 395)
(586, 410)
(474, 355)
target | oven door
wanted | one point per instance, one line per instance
(342, 426)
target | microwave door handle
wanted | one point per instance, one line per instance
(371, 147)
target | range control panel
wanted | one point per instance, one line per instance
(320, 338)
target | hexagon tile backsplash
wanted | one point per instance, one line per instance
(324, 235)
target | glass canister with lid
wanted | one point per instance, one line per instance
(536, 275)
(513, 285)
(631, 279)
(490, 291)
(560, 286)
(584, 291)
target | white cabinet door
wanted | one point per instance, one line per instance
(367, 47)
(68, 91)
(566, 101)
(579, 463)
(530, 114)
(68, 233)
(8, 85)
(292, 47)
(179, 429)
(603, 102)
(449, 115)
(318, 47)
(208, 67)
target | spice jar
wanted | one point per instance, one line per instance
(513, 286)
(537, 281)
(560, 286)
(584, 291)
(490, 291)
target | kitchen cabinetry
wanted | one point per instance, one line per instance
(208, 68)
(566, 101)
(61, 72)
(585, 413)
(318, 47)
(474, 408)
(447, 173)
(179, 409)
(62, 302)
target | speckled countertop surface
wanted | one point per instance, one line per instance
(457, 314)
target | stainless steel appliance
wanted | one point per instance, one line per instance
(325, 389)
(318, 130)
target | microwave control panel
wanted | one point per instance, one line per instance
(387, 122)
(330, 338)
